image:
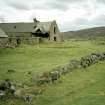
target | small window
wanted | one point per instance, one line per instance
(54, 30)
(15, 27)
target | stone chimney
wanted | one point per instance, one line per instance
(35, 20)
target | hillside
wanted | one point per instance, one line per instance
(85, 33)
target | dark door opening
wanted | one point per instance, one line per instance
(55, 39)
(18, 41)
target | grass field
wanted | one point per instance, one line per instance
(80, 87)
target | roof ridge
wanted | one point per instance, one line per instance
(25, 22)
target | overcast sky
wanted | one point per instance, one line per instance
(69, 14)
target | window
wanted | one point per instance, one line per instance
(55, 39)
(54, 30)
(15, 27)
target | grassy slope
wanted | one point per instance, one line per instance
(77, 88)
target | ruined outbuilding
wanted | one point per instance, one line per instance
(31, 32)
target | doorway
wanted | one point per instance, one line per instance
(55, 39)
(18, 41)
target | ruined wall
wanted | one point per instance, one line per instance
(24, 38)
(31, 40)
(54, 32)
(27, 38)
(3, 42)
(19, 34)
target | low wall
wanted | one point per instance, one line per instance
(56, 73)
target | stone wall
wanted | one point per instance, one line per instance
(55, 32)
(56, 73)
(19, 34)
(3, 42)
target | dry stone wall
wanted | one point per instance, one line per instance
(56, 73)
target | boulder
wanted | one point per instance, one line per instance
(7, 87)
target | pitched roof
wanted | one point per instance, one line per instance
(45, 26)
(2, 34)
(24, 27)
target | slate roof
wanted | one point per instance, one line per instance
(2, 34)
(24, 27)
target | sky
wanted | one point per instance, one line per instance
(70, 14)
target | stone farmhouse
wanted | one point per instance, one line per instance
(31, 32)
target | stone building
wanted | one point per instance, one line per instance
(31, 32)
(3, 38)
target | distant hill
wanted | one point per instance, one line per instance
(85, 33)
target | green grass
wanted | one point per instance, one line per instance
(77, 88)
(80, 87)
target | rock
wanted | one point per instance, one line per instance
(27, 98)
(43, 80)
(22, 94)
(54, 75)
(102, 57)
(98, 55)
(88, 60)
(58, 69)
(75, 63)
(18, 93)
(7, 87)
(2, 94)
(83, 62)
(64, 70)
(94, 59)
(12, 89)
